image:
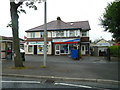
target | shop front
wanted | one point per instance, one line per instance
(6, 50)
(37, 48)
(64, 46)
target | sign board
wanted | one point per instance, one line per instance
(103, 44)
(66, 40)
(36, 43)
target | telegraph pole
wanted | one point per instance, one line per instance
(45, 33)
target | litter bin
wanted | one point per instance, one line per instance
(74, 54)
(22, 52)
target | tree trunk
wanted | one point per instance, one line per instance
(16, 43)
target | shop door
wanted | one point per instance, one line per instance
(35, 49)
(57, 49)
(83, 49)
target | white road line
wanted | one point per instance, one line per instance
(20, 81)
(73, 85)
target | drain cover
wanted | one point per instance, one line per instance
(49, 81)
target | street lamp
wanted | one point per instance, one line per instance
(45, 33)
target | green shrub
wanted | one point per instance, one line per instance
(115, 50)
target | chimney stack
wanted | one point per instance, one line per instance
(58, 18)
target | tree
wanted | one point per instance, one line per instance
(14, 9)
(111, 19)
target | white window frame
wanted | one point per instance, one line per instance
(32, 35)
(77, 33)
(73, 32)
(59, 33)
(54, 34)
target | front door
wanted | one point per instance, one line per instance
(57, 49)
(83, 49)
(35, 49)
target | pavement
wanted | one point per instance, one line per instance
(89, 68)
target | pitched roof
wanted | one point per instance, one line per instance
(8, 38)
(84, 25)
(61, 25)
(103, 42)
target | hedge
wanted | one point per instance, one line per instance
(115, 50)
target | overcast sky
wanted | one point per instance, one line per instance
(68, 10)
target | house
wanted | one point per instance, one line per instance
(100, 48)
(117, 44)
(6, 47)
(62, 37)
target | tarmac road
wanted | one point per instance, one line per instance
(64, 66)
(15, 82)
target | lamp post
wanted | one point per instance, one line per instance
(45, 33)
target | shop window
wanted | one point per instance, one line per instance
(30, 48)
(73, 46)
(64, 48)
(40, 48)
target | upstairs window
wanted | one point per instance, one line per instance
(53, 34)
(72, 33)
(77, 33)
(84, 33)
(41, 34)
(67, 33)
(60, 33)
(32, 34)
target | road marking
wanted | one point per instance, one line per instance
(73, 85)
(20, 81)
